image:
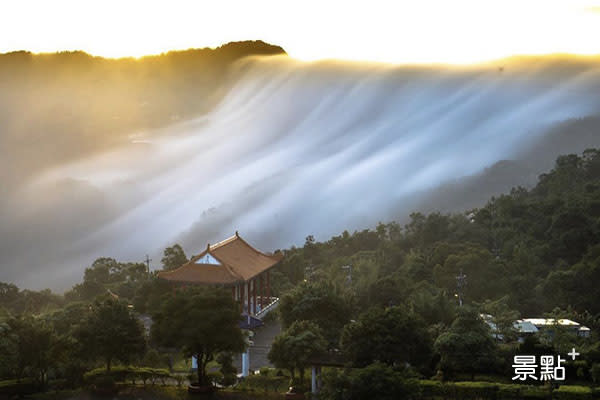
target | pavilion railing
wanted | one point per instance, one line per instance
(272, 303)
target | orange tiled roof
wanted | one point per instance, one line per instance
(239, 262)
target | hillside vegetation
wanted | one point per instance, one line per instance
(384, 300)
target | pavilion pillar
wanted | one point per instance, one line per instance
(249, 300)
(254, 296)
(268, 287)
(262, 292)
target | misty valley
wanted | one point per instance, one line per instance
(236, 223)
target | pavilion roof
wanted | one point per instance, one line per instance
(236, 261)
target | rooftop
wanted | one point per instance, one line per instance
(227, 262)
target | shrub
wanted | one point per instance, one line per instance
(265, 383)
(119, 374)
(595, 373)
(20, 388)
(572, 392)
(480, 390)
(374, 382)
(475, 390)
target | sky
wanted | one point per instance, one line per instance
(402, 31)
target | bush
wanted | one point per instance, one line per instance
(595, 373)
(480, 390)
(475, 390)
(265, 383)
(20, 388)
(376, 381)
(568, 392)
(98, 376)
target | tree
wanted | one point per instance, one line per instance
(467, 346)
(503, 317)
(202, 322)
(8, 351)
(174, 257)
(296, 346)
(110, 332)
(149, 294)
(9, 293)
(393, 336)
(317, 302)
(32, 347)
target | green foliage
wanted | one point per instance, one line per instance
(110, 332)
(376, 381)
(31, 348)
(595, 373)
(297, 346)
(568, 392)
(320, 303)
(102, 378)
(106, 274)
(148, 297)
(481, 390)
(202, 322)
(228, 371)
(467, 346)
(18, 301)
(264, 383)
(173, 257)
(503, 317)
(18, 388)
(393, 336)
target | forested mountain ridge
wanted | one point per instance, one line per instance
(538, 249)
(382, 298)
(88, 103)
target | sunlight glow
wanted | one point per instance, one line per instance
(459, 31)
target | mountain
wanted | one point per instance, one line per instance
(62, 106)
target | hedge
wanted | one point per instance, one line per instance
(100, 376)
(567, 392)
(480, 390)
(265, 383)
(23, 387)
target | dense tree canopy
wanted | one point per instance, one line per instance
(297, 346)
(110, 332)
(467, 346)
(393, 336)
(173, 257)
(202, 322)
(320, 303)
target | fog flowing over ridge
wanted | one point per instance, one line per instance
(293, 149)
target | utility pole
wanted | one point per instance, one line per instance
(461, 283)
(147, 261)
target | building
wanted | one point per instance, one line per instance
(547, 324)
(532, 326)
(232, 263)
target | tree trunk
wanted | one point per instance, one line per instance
(201, 369)
(108, 361)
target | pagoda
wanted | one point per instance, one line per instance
(232, 263)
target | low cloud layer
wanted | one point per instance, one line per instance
(293, 149)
